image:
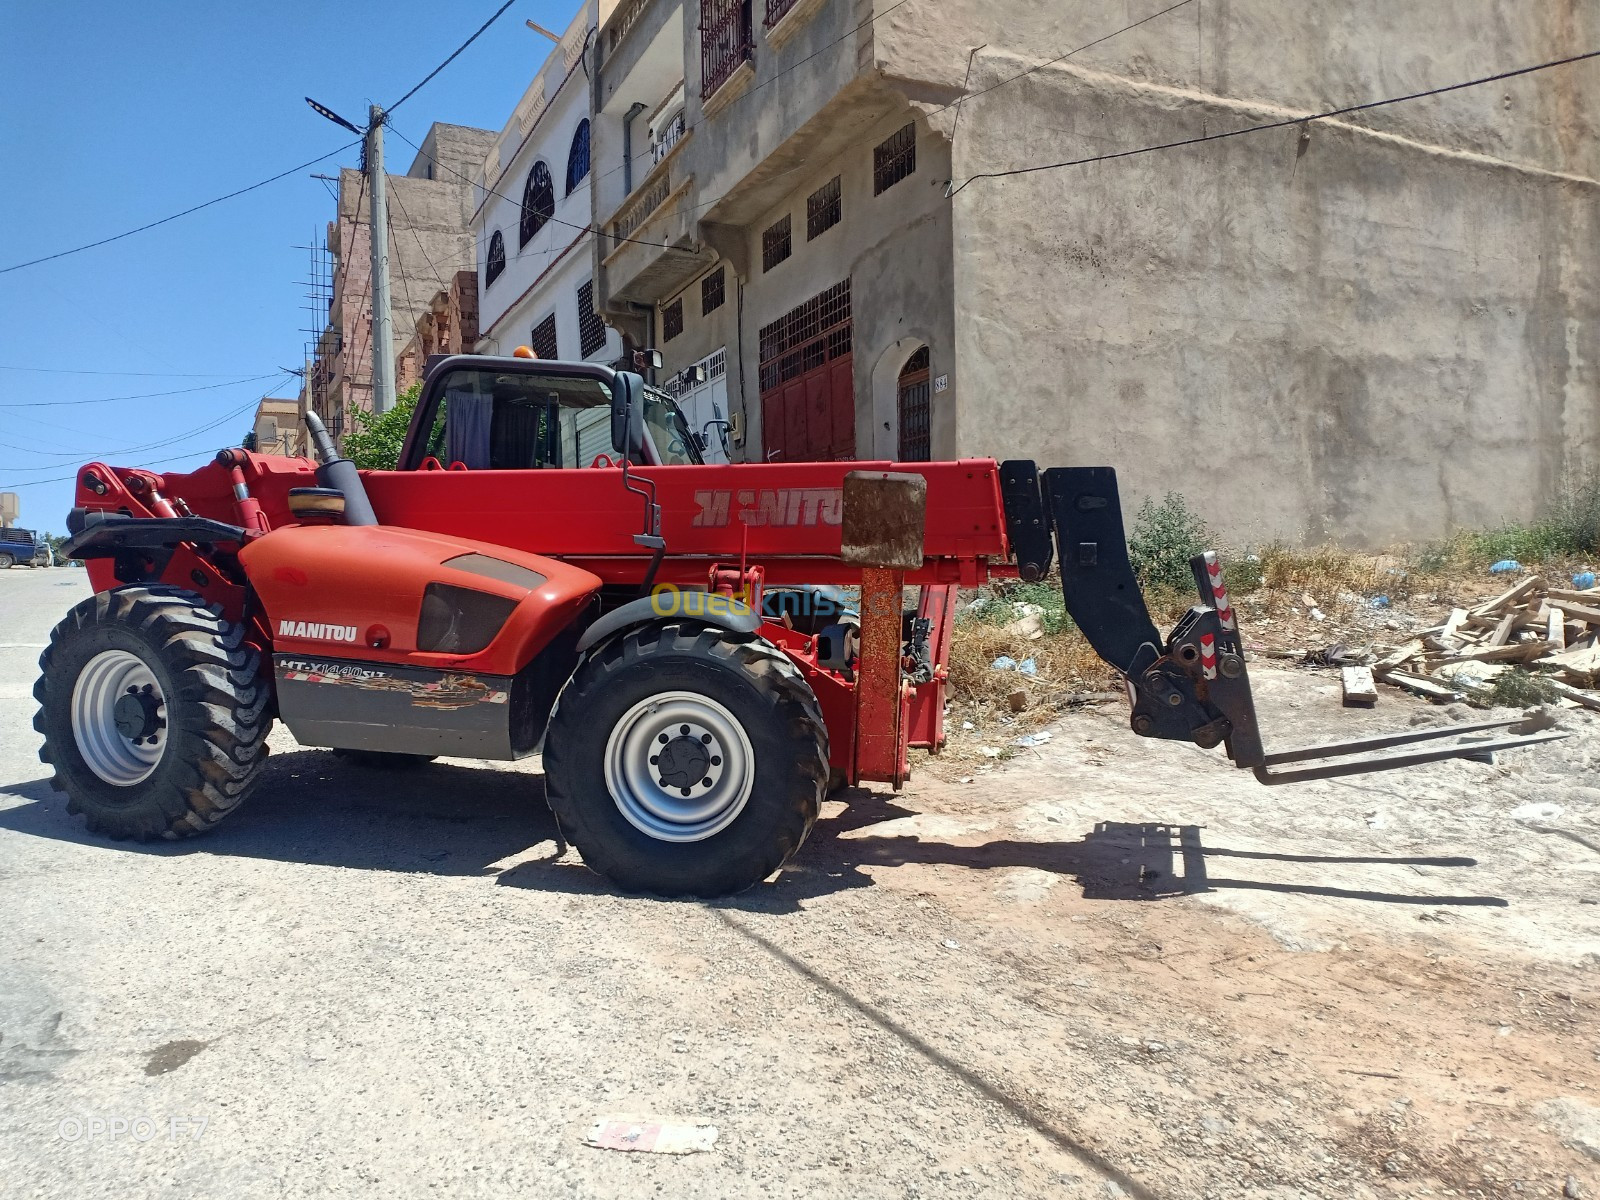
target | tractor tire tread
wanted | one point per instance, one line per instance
(217, 714)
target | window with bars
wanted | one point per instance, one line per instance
(713, 291)
(578, 156)
(672, 320)
(543, 339)
(894, 158)
(538, 202)
(914, 410)
(591, 329)
(495, 263)
(806, 336)
(775, 244)
(725, 41)
(777, 10)
(824, 209)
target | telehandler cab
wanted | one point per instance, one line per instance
(553, 568)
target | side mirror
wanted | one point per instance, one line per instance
(627, 415)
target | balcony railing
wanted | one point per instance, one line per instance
(777, 10)
(623, 22)
(667, 137)
(726, 41)
(639, 209)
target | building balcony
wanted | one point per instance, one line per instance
(650, 245)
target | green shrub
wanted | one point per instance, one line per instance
(375, 439)
(1165, 537)
(1520, 689)
(1570, 527)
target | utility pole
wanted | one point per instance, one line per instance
(382, 317)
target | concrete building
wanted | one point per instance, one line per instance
(430, 242)
(277, 426)
(1368, 328)
(532, 217)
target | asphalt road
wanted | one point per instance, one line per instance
(369, 983)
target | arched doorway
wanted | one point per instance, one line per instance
(914, 400)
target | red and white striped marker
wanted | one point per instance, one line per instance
(1208, 655)
(1219, 590)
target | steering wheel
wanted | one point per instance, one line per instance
(605, 460)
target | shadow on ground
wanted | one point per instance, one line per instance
(444, 819)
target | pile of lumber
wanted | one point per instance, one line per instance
(1534, 627)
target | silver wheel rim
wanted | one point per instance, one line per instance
(107, 748)
(673, 739)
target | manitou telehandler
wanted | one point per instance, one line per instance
(552, 568)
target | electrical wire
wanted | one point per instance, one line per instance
(499, 12)
(141, 449)
(117, 237)
(1283, 124)
(210, 387)
(138, 374)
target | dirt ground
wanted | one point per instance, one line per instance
(1382, 985)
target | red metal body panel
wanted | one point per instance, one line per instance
(360, 588)
(925, 722)
(781, 518)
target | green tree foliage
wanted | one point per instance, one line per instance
(374, 440)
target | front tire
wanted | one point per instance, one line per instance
(152, 712)
(684, 760)
(6, 561)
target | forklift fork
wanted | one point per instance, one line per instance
(1194, 685)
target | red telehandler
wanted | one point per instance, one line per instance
(552, 568)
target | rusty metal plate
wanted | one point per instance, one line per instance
(884, 518)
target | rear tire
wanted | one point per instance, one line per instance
(754, 759)
(6, 561)
(161, 665)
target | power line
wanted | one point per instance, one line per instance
(1283, 124)
(142, 449)
(499, 12)
(117, 237)
(210, 387)
(140, 374)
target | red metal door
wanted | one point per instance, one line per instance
(808, 404)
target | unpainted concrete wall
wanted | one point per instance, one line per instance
(1344, 335)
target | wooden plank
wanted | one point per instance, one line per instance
(1526, 587)
(1422, 687)
(1592, 596)
(1447, 635)
(1587, 699)
(1502, 631)
(1556, 628)
(1517, 652)
(1396, 657)
(1360, 690)
(1589, 616)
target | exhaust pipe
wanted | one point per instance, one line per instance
(339, 473)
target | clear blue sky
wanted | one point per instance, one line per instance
(118, 114)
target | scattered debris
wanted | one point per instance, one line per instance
(1006, 663)
(1583, 580)
(1017, 701)
(1505, 567)
(651, 1136)
(1533, 626)
(1029, 740)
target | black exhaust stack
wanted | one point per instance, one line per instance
(340, 474)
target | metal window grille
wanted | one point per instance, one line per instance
(775, 244)
(543, 339)
(496, 262)
(806, 336)
(538, 202)
(894, 158)
(915, 409)
(777, 10)
(670, 135)
(591, 329)
(713, 291)
(725, 41)
(672, 320)
(578, 156)
(824, 209)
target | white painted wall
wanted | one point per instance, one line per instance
(544, 276)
